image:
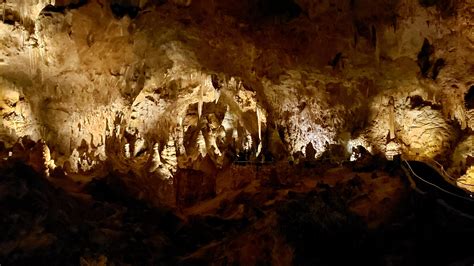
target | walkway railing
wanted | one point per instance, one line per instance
(432, 184)
(438, 168)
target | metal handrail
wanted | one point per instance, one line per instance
(434, 185)
(439, 167)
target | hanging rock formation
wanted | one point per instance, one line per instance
(215, 80)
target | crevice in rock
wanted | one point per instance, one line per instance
(417, 101)
(424, 61)
(469, 98)
(13, 17)
(121, 8)
(445, 7)
(62, 8)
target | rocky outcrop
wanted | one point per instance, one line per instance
(218, 132)
(201, 83)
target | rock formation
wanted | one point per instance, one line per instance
(169, 95)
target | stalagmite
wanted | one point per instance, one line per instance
(259, 149)
(247, 141)
(180, 137)
(168, 155)
(155, 160)
(392, 150)
(201, 142)
(126, 150)
(235, 134)
(211, 140)
(74, 159)
(228, 121)
(40, 158)
(156, 166)
(138, 146)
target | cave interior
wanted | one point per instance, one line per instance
(252, 132)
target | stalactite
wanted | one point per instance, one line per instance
(201, 96)
(375, 43)
(259, 124)
(142, 3)
(30, 65)
(4, 10)
(461, 115)
(391, 118)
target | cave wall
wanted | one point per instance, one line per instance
(152, 87)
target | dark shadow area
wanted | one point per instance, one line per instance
(13, 17)
(278, 8)
(63, 8)
(445, 7)
(124, 8)
(424, 57)
(58, 228)
(319, 226)
(416, 101)
(425, 233)
(431, 182)
(41, 224)
(469, 98)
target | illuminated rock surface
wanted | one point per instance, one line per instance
(169, 101)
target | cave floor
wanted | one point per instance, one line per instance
(269, 215)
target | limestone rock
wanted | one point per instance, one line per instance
(467, 180)
(211, 79)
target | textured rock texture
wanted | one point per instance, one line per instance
(217, 132)
(149, 88)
